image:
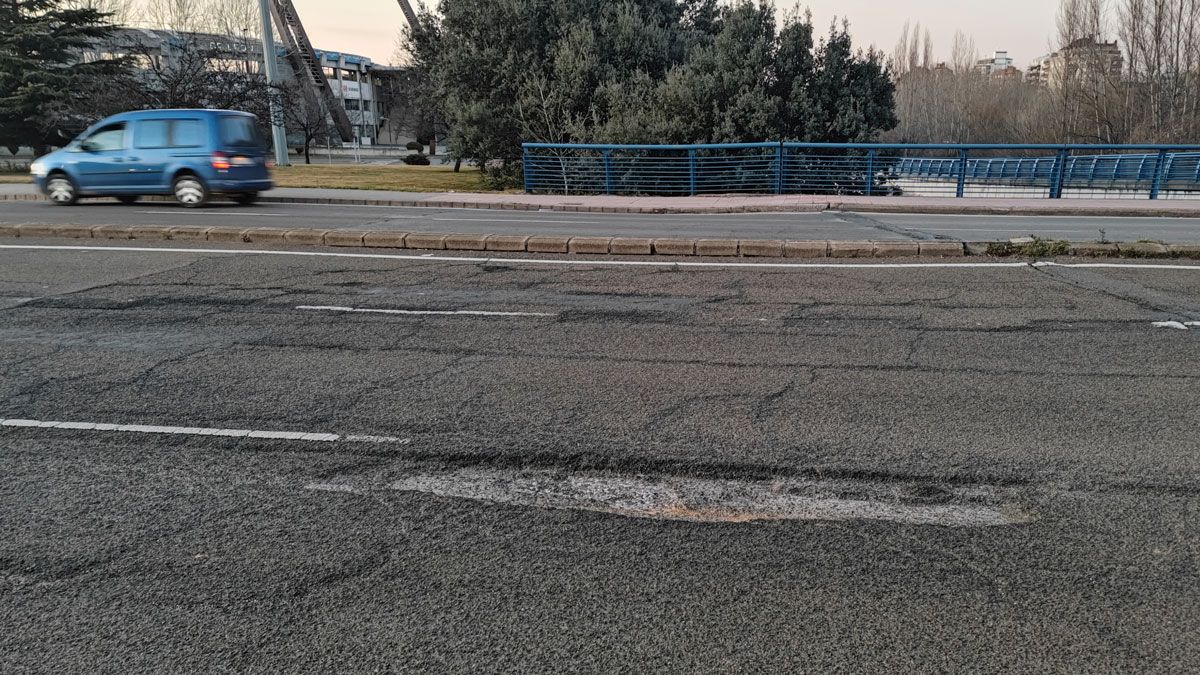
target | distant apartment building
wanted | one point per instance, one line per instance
(1082, 59)
(999, 62)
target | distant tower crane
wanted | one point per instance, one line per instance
(304, 62)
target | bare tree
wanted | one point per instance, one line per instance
(1162, 44)
(964, 54)
(121, 12)
(234, 17)
(304, 115)
(178, 15)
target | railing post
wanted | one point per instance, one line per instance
(692, 171)
(870, 187)
(608, 184)
(525, 167)
(961, 190)
(779, 168)
(1159, 168)
(1058, 174)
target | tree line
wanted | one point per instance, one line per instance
(640, 71)
(1153, 98)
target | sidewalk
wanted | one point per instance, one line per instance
(718, 203)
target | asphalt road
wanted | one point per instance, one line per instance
(821, 225)
(476, 503)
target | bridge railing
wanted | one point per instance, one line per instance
(1032, 171)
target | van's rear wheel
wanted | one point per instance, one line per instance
(61, 190)
(190, 191)
(245, 198)
(128, 200)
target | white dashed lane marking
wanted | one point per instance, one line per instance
(419, 312)
(320, 437)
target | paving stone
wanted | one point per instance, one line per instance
(306, 237)
(851, 249)
(591, 245)
(944, 249)
(631, 246)
(761, 248)
(266, 235)
(548, 244)
(717, 247)
(805, 249)
(896, 249)
(425, 240)
(160, 232)
(384, 239)
(675, 246)
(467, 242)
(235, 235)
(188, 233)
(507, 242)
(344, 238)
(112, 232)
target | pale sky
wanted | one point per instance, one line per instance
(1022, 27)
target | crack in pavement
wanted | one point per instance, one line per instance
(1140, 296)
(911, 233)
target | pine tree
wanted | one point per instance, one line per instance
(44, 78)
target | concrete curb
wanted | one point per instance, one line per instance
(709, 248)
(966, 208)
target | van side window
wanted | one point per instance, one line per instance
(151, 134)
(187, 134)
(107, 138)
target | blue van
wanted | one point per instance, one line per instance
(191, 154)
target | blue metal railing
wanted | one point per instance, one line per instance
(1052, 171)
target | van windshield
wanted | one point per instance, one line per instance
(240, 132)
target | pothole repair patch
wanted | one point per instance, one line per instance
(721, 501)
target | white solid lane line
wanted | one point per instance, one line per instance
(419, 312)
(218, 213)
(1117, 266)
(199, 431)
(591, 263)
(1177, 325)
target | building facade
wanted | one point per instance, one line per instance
(1083, 59)
(999, 62)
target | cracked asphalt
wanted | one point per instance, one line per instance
(148, 552)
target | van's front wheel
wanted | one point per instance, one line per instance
(190, 191)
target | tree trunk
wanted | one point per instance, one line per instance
(457, 165)
(308, 150)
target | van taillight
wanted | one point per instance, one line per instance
(220, 161)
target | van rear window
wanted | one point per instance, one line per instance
(240, 132)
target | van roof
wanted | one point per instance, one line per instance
(175, 112)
